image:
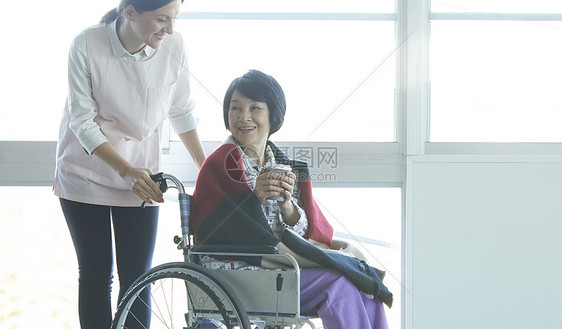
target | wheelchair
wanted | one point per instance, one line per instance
(187, 295)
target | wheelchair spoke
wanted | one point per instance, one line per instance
(160, 315)
(180, 298)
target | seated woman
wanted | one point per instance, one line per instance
(232, 205)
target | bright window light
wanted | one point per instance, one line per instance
(333, 6)
(338, 87)
(34, 70)
(338, 74)
(495, 81)
(371, 219)
(497, 6)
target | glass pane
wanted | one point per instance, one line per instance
(380, 6)
(338, 88)
(37, 85)
(497, 6)
(371, 219)
(39, 271)
(495, 81)
(34, 77)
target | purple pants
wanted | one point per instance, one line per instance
(338, 302)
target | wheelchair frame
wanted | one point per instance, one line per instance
(213, 298)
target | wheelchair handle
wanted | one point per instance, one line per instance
(183, 198)
(161, 178)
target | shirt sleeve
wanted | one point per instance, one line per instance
(301, 226)
(181, 113)
(81, 105)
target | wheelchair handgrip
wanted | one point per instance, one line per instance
(184, 201)
(161, 181)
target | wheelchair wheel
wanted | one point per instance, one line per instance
(180, 295)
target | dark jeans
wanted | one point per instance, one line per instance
(134, 229)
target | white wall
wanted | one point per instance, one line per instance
(484, 242)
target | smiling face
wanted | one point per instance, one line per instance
(150, 27)
(248, 121)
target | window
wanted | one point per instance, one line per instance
(494, 69)
(335, 62)
(34, 66)
(335, 88)
(39, 268)
(370, 218)
(496, 6)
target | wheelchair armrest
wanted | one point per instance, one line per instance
(233, 249)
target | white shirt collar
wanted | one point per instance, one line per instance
(120, 51)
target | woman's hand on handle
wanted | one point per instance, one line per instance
(141, 183)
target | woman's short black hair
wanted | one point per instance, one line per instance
(140, 6)
(259, 87)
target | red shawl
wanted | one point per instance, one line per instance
(222, 175)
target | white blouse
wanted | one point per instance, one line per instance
(122, 99)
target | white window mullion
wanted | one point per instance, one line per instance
(417, 86)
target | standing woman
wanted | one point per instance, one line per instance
(126, 75)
